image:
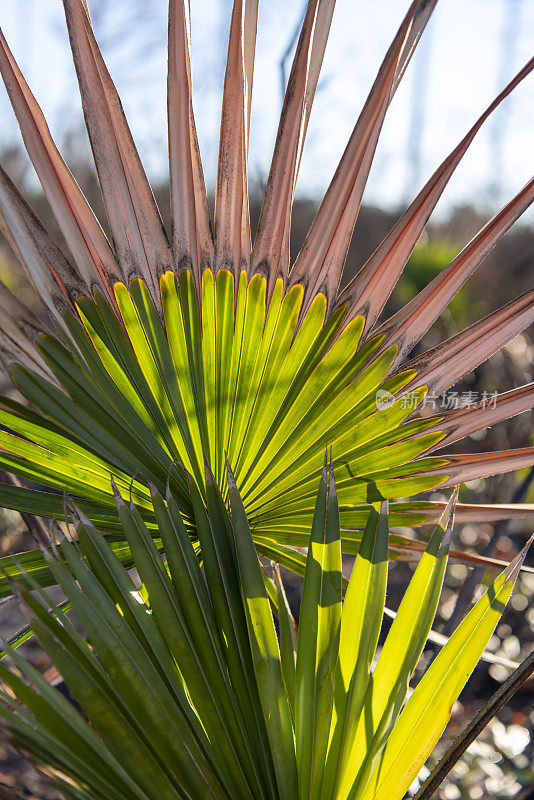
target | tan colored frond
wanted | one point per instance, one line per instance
(191, 235)
(19, 327)
(461, 422)
(408, 326)
(473, 466)
(421, 16)
(84, 236)
(140, 241)
(320, 262)
(369, 290)
(271, 246)
(232, 223)
(55, 281)
(412, 551)
(445, 364)
(467, 512)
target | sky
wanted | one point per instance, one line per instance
(470, 49)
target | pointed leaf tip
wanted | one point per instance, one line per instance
(232, 485)
(208, 473)
(116, 494)
(448, 512)
(153, 489)
(168, 493)
(514, 568)
(331, 479)
(448, 518)
(325, 467)
(76, 511)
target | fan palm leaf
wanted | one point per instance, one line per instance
(162, 355)
(187, 692)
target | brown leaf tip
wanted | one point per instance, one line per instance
(232, 485)
(152, 488)
(116, 494)
(514, 567)
(208, 474)
(331, 479)
(447, 520)
(78, 516)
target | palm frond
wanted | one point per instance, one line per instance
(369, 290)
(139, 239)
(182, 684)
(191, 235)
(85, 239)
(320, 263)
(271, 255)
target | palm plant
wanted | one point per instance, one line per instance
(162, 361)
(187, 692)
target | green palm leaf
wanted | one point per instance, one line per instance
(171, 679)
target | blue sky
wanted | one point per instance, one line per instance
(462, 63)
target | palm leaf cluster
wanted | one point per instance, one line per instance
(163, 354)
(185, 690)
(157, 363)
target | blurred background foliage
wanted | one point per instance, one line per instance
(500, 763)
